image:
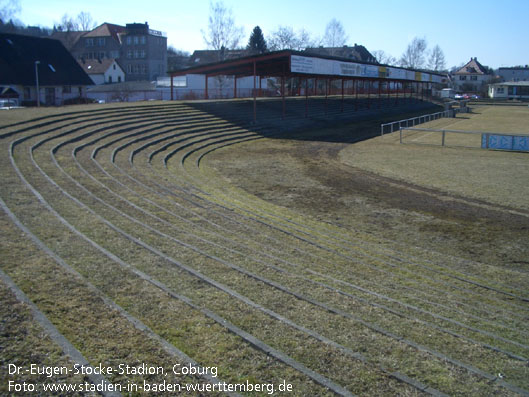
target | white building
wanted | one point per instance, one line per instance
(509, 90)
(193, 86)
(103, 71)
(471, 78)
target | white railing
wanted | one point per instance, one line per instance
(412, 122)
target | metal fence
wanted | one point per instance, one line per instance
(412, 122)
(467, 139)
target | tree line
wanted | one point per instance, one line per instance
(223, 33)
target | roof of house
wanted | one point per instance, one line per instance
(97, 66)
(512, 83)
(355, 53)
(18, 57)
(526, 67)
(68, 39)
(472, 67)
(106, 30)
(201, 57)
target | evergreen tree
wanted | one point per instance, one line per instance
(257, 42)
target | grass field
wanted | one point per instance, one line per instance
(492, 176)
(158, 235)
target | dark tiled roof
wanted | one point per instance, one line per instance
(355, 53)
(96, 66)
(472, 67)
(57, 67)
(68, 39)
(201, 57)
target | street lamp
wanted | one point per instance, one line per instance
(37, 80)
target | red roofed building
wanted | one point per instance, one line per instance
(140, 51)
(472, 77)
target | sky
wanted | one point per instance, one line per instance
(495, 32)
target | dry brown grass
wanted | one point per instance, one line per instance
(493, 176)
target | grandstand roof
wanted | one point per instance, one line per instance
(289, 63)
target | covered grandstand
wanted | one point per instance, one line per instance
(299, 73)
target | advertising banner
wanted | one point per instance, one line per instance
(329, 67)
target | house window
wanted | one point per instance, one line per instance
(474, 78)
(89, 42)
(136, 54)
(142, 54)
(135, 39)
(101, 41)
(500, 90)
(129, 40)
(129, 69)
(129, 54)
(142, 39)
(462, 78)
(67, 89)
(114, 66)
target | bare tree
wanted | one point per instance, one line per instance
(306, 40)
(222, 33)
(414, 55)
(8, 9)
(284, 38)
(334, 34)
(436, 61)
(67, 24)
(384, 58)
(85, 21)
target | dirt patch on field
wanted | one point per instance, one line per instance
(309, 177)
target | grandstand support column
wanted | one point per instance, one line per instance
(172, 86)
(379, 93)
(283, 95)
(368, 94)
(206, 95)
(234, 86)
(254, 94)
(422, 91)
(355, 85)
(326, 93)
(342, 96)
(299, 86)
(306, 97)
(397, 92)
